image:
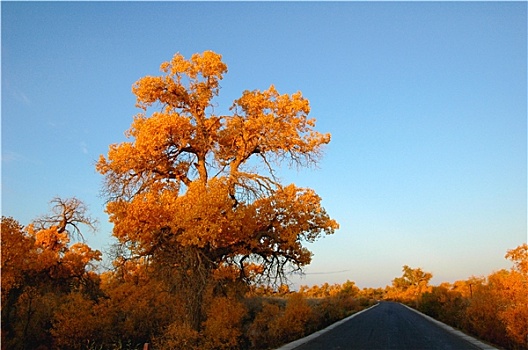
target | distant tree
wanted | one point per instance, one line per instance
(372, 294)
(519, 257)
(194, 191)
(349, 288)
(412, 277)
(410, 286)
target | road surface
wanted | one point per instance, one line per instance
(386, 326)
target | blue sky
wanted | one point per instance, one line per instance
(426, 104)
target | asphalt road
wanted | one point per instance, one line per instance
(387, 326)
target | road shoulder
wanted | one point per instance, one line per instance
(481, 345)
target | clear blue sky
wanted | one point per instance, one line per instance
(426, 104)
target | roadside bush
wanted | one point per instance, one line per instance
(328, 311)
(223, 327)
(294, 322)
(178, 336)
(260, 330)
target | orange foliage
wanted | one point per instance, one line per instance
(295, 319)
(261, 330)
(195, 192)
(223, 327)
(39, 269)
(16, 258)
(325, 290)
(499, 308)
(446, 303)
(136, 306)
(410, 287)
(519, 257)
(75, 323)
(179, 336)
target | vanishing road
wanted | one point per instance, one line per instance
(387, 326)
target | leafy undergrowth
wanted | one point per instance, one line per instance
(274, 321)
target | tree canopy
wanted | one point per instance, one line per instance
(197, 192)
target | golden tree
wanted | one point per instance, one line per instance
(193, 191)
(410, 286)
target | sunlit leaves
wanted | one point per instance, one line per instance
(519, 256)
(410, 286)
(188, 85)
(40, 268)
(17, 255)
(197, 194)
(75, 323)
(270, 125)
(223, 327)
(182, 178)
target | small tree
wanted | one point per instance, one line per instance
(410, 286)
(194, 191)
(40, 268)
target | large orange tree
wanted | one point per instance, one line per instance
(196, 193)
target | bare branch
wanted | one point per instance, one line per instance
(67, 215)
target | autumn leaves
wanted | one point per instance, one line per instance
(194, 192)
(42, 270)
